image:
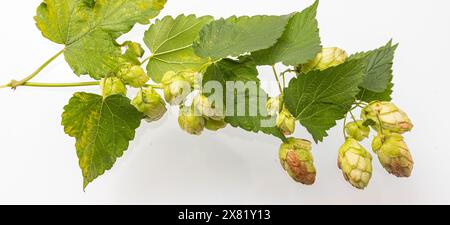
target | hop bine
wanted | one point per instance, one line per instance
(355, 163)
(357, 130)
(149, 102)
(328, 57)
(176, 88)
(393, 154)
(112, 86)
(296, 158)
(190, 122)
(387, 116)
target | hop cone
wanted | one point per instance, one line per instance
(190, 122)
(286, 122)
(393, 154)
(391, 117)
(355, 163)
(149, 102)
(133, 75)
(325, 59)
(296, 158)
(357, 130)
(176, 88)
(112, 86)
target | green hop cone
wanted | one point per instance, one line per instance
(286, 122)
(112, 86)
(190, 122)
(133, 52)
(357, 130)
(176, 88)
(355, 163)
(328, 57)
(393, 154)
(133, 75)
(273, 106)
(134, 48)
(215, 125)
(205, 108)
(391, 117)
(296, 158)
(149, 102)
(193, 78)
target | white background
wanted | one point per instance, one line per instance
(164, 165)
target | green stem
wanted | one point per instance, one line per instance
(343, 128)
(276, 78)
(353, 116)
(14, 84)
(146, 59)
(155, 86)
(78, 84)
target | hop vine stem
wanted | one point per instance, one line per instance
(77, 84)
(14, 84)
(277, 79)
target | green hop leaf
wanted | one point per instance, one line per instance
(243, 70)
(102, 129)
(320, 98)
(88, 29)
(170, 41)
(299, 43)
(377, 83)
(369, 96)
(238, 35)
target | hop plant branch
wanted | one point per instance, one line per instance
(188, 51)
(14, 83)
(77, 84)
(277, 79)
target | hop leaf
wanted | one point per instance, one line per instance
(320, 98)
(170, 41)
(299, 43)
(102, 128)
(236, 35)
(88, 29)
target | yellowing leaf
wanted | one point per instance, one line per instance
(102, 129)
(89, 28)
